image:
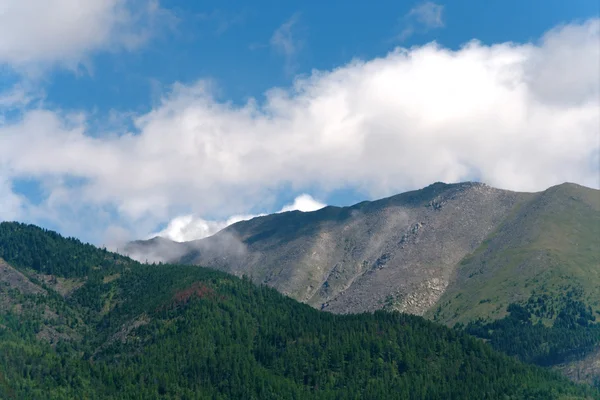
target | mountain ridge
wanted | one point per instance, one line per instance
(292, 251)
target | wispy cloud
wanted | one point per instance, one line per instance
(422, 18)
(429, 14)
(286, 42)
(18, 96)
(222, 21)
(257, 46)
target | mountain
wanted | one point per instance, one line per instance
(399, 252)
(81, 322)
(462, 253)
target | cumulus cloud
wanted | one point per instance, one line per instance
(505, 114)
(304, 203)
(10, 203)
(188, 227)
(551, 72)
(42, 32)
(422, 18)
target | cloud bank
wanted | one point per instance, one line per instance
(516, 116)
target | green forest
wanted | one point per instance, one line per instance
(543, 331)
(95, 325)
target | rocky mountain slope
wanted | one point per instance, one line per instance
(407, 251)
(395, 253)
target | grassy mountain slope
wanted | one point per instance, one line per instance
(548, 245)
(171, 331)
(543, 263)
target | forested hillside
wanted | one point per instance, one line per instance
(572, 337)
(81, 322)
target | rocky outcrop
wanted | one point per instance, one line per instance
(12, 283)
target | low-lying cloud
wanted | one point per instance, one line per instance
(189, 227)
(516, 116)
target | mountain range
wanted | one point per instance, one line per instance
(81, 322)
(455, 253)
(513, 276)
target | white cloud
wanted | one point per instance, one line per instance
(551, 72)
(504, 114)
(422, 18)
(304, 203)
(35, 33)
(10, 203)
(188, 227)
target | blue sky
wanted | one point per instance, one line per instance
(122, 117)
(230, 43)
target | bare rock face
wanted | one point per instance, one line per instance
(395, 253)
(11, 279)
(585, 370)
(409, 260)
